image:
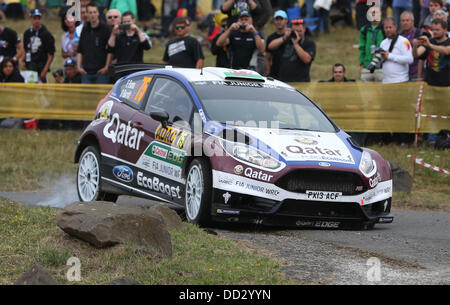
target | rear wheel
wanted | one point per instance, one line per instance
(89, 175)
(198, 192)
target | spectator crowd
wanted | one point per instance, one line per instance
(411, 45)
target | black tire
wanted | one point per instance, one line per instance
(198, 212)
(89, 177)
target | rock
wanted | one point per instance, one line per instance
(37, 275)
(171, 218)
(104, 224)
(124, 281)
(401, 179)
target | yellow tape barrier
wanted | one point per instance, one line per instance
(364, 107)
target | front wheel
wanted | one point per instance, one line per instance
(198, 192)
(88, 177)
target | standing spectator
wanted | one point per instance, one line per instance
(433, 7)
(129, 45)
(146, 12)
(410, 33)
(259, 21)
(39, 46)
(234, 8)
(9, 73)
(190, 6)
(168, 13)
(10, 44)
(72, 76)
(361, 13)
(397, 54)
(93, 59)
(273, 57)
(440, 14)
(243, 40)
(399, 7)
(113, 17)
(124, 6)
(436, 52)
(370, 37)
(222, 56)
(184, 50)
(338, 74)
(78, 29)
(14, 10)
(323, 7)
(298, 54)
(68, 26)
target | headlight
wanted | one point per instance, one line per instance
(251, 155)
(367, 165)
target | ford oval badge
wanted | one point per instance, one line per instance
(324, 164)
(123, 173)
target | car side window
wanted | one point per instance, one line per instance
(133, 90)
(167, 95)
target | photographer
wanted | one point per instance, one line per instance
(128, 41)
(370, 37)
(243, 40)
(298, 54)
(436, 52)
(397, 54)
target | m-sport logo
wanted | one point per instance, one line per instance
(123, 173)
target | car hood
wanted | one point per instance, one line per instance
(305, 147)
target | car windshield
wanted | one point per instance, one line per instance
(260, 105)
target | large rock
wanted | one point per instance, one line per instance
(401, 179)
(104, 224)
(171, 218)
(37, 275)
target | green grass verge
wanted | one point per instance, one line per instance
(30, 235)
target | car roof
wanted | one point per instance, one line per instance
(214, 74)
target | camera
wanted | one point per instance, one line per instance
(425, 33)
(293, 35)
(58, 72)
(124, 27)
(376, 61)
(242, 26)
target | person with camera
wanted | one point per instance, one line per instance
(184, 50)
(242, 39)
(39, 47)
(280, 18)
(93, 58)
(128, 41)
(436, 52)
(397, 54)
(298, 54)
(370, 37)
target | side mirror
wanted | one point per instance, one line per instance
(160, 116)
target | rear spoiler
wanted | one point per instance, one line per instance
(119, 71)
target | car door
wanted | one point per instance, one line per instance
(161, 164)
(126, 134)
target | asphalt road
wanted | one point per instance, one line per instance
(414, 249)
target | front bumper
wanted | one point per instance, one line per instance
(243, 200)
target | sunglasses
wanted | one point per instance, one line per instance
(297, 21)
(179, 27)
(111, 17)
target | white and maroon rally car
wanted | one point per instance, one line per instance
(230, 146)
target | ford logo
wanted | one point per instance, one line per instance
(324, 164)
(123, 173)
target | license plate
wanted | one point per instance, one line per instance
(323, 195)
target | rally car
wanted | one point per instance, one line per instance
(230, 146)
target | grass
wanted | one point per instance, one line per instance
(431, 190)
(30, 235)
(331, 48)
